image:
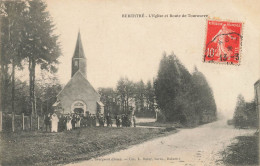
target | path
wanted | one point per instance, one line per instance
(197, 146)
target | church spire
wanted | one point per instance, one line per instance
(78, 59)
(79, 52)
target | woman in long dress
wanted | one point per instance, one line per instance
(54, 123)
(68, 124)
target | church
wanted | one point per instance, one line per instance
(78, 96)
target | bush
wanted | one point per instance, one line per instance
(161, 117)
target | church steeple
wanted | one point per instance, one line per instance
(78, 59)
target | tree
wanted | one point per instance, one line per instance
(109, 99)
(180, 96)
(168, 86)
(125, 91)
(11, 41)
(203, 98)
(150, 96)
(139, 96)
(144, 99)
(245, 114)
(40, 46)
(239, 114)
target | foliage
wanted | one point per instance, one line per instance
(21, 99)
(125, 91)
(12, 29)
(245, 114)
(128, 97)
(140, 92)
(12, 18)
(109, 99)
(46, 95)
(26, 35)
(205, 105)
(150, 96)
(40, 46)
(183, 97)
(47, 88)
(161, 117)
(244, 152)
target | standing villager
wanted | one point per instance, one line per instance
(101, 120)
(93, 119)
(107, 118)
(62, 123)
(134, 120)
(83, 122)
(68, 122)
(78, 119)
(110, 121)
(47, 122)
(54, 123)
(123, 120)
(73, 121)
(118, 121)
(128, 121)
(89, 120)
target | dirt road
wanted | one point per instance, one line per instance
(197, 146)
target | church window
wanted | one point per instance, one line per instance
(76, 63)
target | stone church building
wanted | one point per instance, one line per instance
(78, 95)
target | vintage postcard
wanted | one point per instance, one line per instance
(120, 82)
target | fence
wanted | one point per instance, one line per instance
(12, 122)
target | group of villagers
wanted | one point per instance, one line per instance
(60, 122)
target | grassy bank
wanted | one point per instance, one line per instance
(38, 148)
(158, 124)
(243, 152)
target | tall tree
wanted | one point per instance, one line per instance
(140, 96)
(179, 95)
(168, 87)
(203, 98)
(150, 96)
(41, 45)
(125, 91)
(108, 98)
(11, 40)
(47, 88)
(239, 114)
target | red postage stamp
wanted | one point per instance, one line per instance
(223, 42)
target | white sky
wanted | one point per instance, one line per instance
(132, 47)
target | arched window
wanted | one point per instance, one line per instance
(76, 63)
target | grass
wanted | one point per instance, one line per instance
(158, 124)
(243, 152)
(39, 148)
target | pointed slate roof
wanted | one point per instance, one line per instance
(79, 52)
(75, 76)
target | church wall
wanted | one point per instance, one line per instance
(78, 90)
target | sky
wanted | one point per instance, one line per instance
(116, 47)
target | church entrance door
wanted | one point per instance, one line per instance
(79, 107)
(79, 111)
